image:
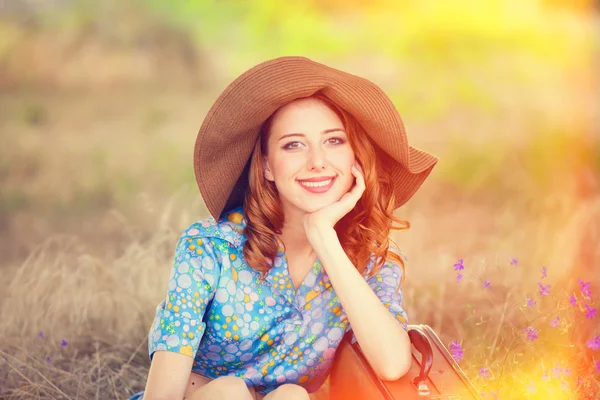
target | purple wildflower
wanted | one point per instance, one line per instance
(556, 371)
(590, 312)
(458, 277)
(585, 288)
(484, 373)
(573, 300)
(486, 284)
(544, 273)
(456, 350)
(554, 322)
(48, 359)
(545, 376)
(566, 371)
(594, 344)
(459, 265)
(42, 335)
(491, 395)
(543, 289)
(63, 343)
(513, 261)
(530, 302)
(531, 332)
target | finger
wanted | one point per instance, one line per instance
(358, 170)
(360, 179)
(357, 190)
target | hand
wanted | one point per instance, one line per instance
(329, 215)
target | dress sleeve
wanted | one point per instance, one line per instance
(178, 324)
(385, 285)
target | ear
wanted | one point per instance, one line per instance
(267, 172)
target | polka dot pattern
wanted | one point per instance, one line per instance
(218, 311)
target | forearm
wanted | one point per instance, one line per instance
(382, 339)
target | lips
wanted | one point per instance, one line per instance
(318, 189)
(321, 179)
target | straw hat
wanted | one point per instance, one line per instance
(231, 128)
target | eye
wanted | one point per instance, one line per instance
(288, 146)
(340, 140)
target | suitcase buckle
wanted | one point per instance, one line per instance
(422, 387)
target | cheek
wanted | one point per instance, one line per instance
(350, 178)
(347, 159)
(282, 168)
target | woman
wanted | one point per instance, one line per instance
(301, 167)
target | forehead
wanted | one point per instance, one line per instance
(304, 115)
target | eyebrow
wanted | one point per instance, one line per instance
(326, 131)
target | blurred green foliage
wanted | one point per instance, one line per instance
(471, 167)
(13, 200)
(434, 34)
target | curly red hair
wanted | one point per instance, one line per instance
(363, 232)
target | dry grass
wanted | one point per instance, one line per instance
(99, 305)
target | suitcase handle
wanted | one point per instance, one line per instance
(423, 346)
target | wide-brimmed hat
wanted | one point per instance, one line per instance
(231, 128)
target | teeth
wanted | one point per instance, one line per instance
(316, 184)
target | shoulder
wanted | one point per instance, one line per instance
(389, 264)
(395, 249)
(229, 227)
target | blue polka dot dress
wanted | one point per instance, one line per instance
(218, 311)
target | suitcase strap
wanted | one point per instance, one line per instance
(423, 346)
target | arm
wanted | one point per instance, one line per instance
(168, 376)
(387, 347)
(178, 327)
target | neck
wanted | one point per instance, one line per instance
(294, 238)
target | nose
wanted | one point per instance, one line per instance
(317, 160)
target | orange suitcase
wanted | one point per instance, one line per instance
(434, 374)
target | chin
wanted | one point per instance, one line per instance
(316, 205)
(309, 203)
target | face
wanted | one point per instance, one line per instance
(308, 140)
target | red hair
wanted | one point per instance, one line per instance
(363, 232)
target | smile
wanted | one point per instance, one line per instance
(317, 187)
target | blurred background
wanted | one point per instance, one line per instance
(100, 103)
